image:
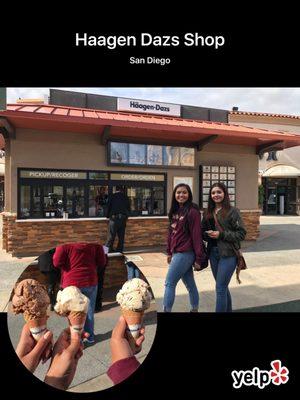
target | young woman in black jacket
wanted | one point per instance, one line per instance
(223, 230)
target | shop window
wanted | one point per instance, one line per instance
(154, 155)
(36, 202)
(25, 202)
(119, 153)
(53, 201)
(137, 154)
(140, 200)
(158, 201)
(146, 154)
(75, 201)
(98, 199)
(292, 193)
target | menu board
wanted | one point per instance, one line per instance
(210, 174)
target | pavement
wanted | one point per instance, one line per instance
(91, 371)
(272, 277)
(271, 283)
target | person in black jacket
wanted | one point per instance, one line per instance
(45, 265)
(118, 210)
(223, 230)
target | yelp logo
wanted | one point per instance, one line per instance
(256, 377)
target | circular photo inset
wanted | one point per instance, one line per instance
(81, 330)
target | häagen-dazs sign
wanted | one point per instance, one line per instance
(149, 107)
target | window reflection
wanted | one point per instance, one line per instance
(36, 206)
(53, 201)
(25, 201)
(98, 198)
(140, 200)
(75, 201)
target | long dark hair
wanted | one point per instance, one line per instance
(212, 205)
(187, 205)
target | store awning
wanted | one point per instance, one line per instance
(141, 128)
(281, 171)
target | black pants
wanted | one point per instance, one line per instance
(53, 280)
(99, 298)
(117, 226)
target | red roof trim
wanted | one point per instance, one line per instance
(148, 121)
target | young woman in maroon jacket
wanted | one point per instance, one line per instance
(184, 246)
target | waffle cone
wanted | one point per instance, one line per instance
(133, 317)
(77, 320)
(37, 326)
(134, 321)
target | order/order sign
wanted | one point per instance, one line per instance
(137, 177)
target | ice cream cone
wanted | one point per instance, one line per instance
(134, 321)
(77, 321)
(37, 326)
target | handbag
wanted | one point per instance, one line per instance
(241, 262)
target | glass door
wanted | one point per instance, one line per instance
(271, 200)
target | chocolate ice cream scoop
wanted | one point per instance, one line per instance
(31, 299)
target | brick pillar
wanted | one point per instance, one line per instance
(252, 222)
(8, 224)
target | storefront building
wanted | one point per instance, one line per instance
(279, 167)
(64, 161)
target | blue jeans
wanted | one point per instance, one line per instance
(181, 267)
(91, 293)
(222, 269)
(132, 270)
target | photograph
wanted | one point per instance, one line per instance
(109, 309)
(154, 155)
(119, 153)
(137, 154)
(188, 216)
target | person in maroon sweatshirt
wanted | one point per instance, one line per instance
(185, 246)
(79, 263)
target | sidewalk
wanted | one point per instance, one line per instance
(273, 274)
(96, 359)
(272, 277)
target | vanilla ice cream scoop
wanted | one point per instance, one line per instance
(134, 295)
(69, 300)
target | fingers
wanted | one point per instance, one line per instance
(42, 344)
(119, 330)
(142, 331)
(140, 340)
(75, 342)
(48, 352)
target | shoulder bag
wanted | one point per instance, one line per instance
(241, 262)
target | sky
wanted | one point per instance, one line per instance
(269, 100)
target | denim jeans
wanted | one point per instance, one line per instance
(181, 267)
(222, 269)
(91, 293)
(132, 270)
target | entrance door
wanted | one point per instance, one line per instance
(271, 201)
(281, 200)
